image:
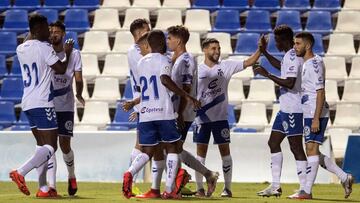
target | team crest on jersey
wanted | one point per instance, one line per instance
(285, 125)
(225, 133)
(220, 72)
(69, 125)
(306, 130)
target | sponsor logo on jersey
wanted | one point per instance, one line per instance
(151, 110)
(212, 84)
(220, 72)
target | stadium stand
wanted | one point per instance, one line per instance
(77, 20)
(151, 5)
(253, 115)
(167, 18)
(236, 92)
(72, 35)
(300, 5)
(120, 5)
(15, 68)
(347, 116)
(16, 20)
(351, 160)
(3, 69)
(347, 22)
(4, 4)
(122, 118)
(351, 91)
(327, 5)
(176, 4)
(258, 21)
(210, 5)
(335, 68)
(194, 45)
(57, 4)
(263, 91)
(96, 42)
(127, 91)
(227, 21)
(12, 90)
(332, 95)
(96, 114)
(51, 14)
(339, 138)
(355, 68)
(225, 42)
(116, 65)
(240, 5)
(123, 41)
(106, 20)
(231, 115)
(90, 66)
(290, 18)
(341, 45)
(270, 5)
(198, 20)
(7, 114)
(319, 22)
(86, 4)
(29, 5)
(133, 13)
(106, 90)
(351, 5)
(246, 43)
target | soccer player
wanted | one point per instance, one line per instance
(39, 63)
(316, 116)
(157, 118)
(289, 120)
(213, 80)
(64, 105)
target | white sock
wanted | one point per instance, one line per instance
(42, 154)
(157, 171)
(41, 170)
(70, 165)
(227, 170)
(311, 172)
(138, 163)
(327, 164)
(276, 166)
(301, 171)
(51, 171)
(133, 155)
(198, 176)
(172, 168)
(188, 159)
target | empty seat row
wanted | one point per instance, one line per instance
(54, 4)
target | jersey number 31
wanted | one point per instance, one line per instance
(28, 72)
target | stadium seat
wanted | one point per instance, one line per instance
(85, 128)
(253, 115)
(176, 4)
(3, 69)
(116, 65)
(57, 4)
(77, 20)
(15, 68)
(90, 68)
(8, 43)
(262, 90)
(12, 90)
(106, 19)
(128, 94)
(270, 5)
(23, 120)
(4, 5)
(290, 18)
(351, 5)
(134, 13)
(347, 116)
(74, 36)
(351, 91)
(167, 18)
(29, 5)
(121, 117)
(20, 128)
(16, 20)
(106, 90)
(351, 160)
(225, 41)
(193, 45)
(258, 21)
(198, 20)
(339, 138)
(96, 114)
(246, 43)
(123, 41)
(236, 92)
(332, 95)
(341, 45)
(227, 21)
(240, 5)
(50, 14)
(96, 42)
(271, 47)
(348, 22)
(85, 94)
(151, 5)
(319, 22)
(275, 110)
(335, 67)
(231, 116)
(300, 5)
(7, 114)
(267, 65)
(120, 5)
(244, 75)
(86, 4)
(355, 68)
(318, 47)
(211, 5)
(327, 5)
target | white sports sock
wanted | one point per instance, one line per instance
(172, 168)
(51, 171)
(329, 165)
(301, 171)
(41, 155)
(157, 170)
(276, 166)
(138, 163)
(133, 155)
(198, 176)
(70, 164)
(227, 170)
(188, 159)
(41, 170)
(311, 172)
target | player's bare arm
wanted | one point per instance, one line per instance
(127, 105)
(60, 66)
(320, 100)
(252, 59)
(263, 41)
(288, 82)
(79, 87)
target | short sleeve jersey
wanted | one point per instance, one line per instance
(134, 56)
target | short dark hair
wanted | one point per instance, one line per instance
(58, 24)
(138, 24)
(157, 41)
(36, 19)
(285, 32)
(208, 41)
(143, 37)
(306, 36)
(179, 31)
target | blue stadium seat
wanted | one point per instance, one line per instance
(267, 65)
(12, 90)
(351, 161)
(318, 46)
(23, 120)
(290, 18)
(3, 69)
(122, 118)
(258, 21)
(16, 20)
(74, 36)
(77, 20)
(247, 43)
(210, 5)
(20, 128)
(57, 4)
(8, 43)
(244, 130)
(319, 22)
(128, 91)
(7, 114)
(15, 68)
(270, 5)
(327, 5)
(231, 116)
(227, 21)
(240, 5)
(51, 14)
(86, 4)
(300, 5)
(29, 5)
(117, 128)
(4, 4)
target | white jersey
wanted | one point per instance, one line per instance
(63, 91)
(156, 101)
(313, 79)
(134, 56)
(212, 90)
(35, 59)
(290, 99)
(184, 73)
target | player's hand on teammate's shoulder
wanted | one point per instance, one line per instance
(262, 43)
(260, 70)
(80, 99)
(68, 45)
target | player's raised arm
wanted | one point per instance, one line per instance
(287, 82)
(252, 59)
(60, 66)
(263, 42)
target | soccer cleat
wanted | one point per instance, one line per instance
(270, 191)
(182, 178)
(300, 195)
(41, 194)
(136, 191)
(72, 186)
(151, 194)
(187, 192)
(211, 182)
(226, 193)
(347, 185)
(20, 181)
(171, 195)
(200, 193)
(127, 183)
(52, 193)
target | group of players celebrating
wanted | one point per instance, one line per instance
(171, 92)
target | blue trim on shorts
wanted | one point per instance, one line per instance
(290, 124)
(42, 118)
(315, 137)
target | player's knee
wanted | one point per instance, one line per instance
(274, 147)
(311, 150)
(298, 152)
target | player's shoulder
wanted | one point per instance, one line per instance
(316, 61)
(291, 56)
